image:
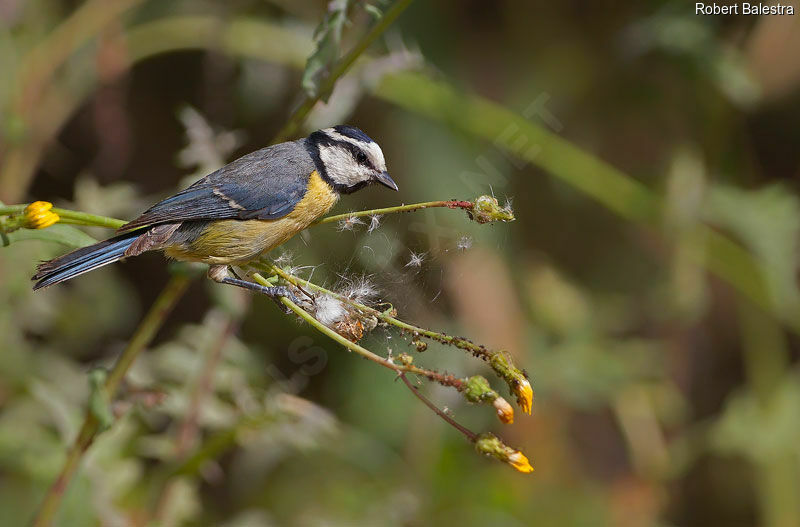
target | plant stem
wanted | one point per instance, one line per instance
(340, 69)
(476, 349)
(141, 339)
(399, 368)
(767, 360)
(472, 436)
(73, 217)
(11, 209)
(446, 380)
(82, 218)
(452, 204)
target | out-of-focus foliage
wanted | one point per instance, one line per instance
(664, 395)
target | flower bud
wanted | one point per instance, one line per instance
(477, 390)
(504, 410)
(490, 445)
(524, 394)
(517, 382)
(38, 215)
(519, 461)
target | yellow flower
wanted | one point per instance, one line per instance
(516, 379)
(491, 445)
(38, 215)
(520, 462)
(524, 394)
(504, 410)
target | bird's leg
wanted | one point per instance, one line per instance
(219, 273)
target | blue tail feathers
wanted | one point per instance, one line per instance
(83, 260)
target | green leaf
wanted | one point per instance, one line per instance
(768, 222)
(760, 431)
(328, 36)
(373, 10)
(59, 233)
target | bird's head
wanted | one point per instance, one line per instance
(348, 159)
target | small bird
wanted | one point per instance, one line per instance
(242, 210)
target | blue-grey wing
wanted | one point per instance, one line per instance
(266, 184)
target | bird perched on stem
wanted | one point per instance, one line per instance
(242, 210)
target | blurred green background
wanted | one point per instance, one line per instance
(663, 357)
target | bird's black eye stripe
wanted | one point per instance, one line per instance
(359, 155)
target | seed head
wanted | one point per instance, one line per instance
(486, 209)
(359, 289)
(374, 222)
(415, 259)
(349, 223)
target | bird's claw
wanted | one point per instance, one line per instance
(284, 292)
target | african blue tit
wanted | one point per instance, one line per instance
(242, 210)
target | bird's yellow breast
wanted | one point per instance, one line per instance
(238, 241)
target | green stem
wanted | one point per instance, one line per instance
(352, 346)
(11, 209)
(73, 217)
(83, 218)
(340, 69)
(452, 204)
(476, 349)
(766, 357)
(141, 339)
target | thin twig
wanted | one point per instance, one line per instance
(472, 436)
(141, 339)
(75, 217)
(476, 349)
(450, 204)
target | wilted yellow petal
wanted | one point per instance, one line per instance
(524, 394)
(504, 410)
(520, 462)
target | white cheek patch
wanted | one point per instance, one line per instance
(341, 167)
